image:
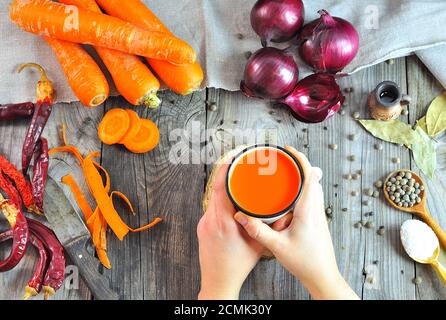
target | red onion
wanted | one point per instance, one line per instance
(329, 43)
(315, 98)
(270, 73)
(277, 20)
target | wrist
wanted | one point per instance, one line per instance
(208, 293)
(332, 287)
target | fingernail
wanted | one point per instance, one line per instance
(241, 218)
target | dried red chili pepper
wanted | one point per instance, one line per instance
(55, 273)
(16, 111)
(40, 172)
(20, 231)
(9, 189)
(22, 185)
(34, 285)
(45, 95)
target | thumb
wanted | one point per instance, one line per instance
(258, 230)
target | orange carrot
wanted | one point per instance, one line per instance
(146, 139)
(135, 125)
(133, 79)
(83, 74)
(70, 23)
(182, 79)
(114, 126)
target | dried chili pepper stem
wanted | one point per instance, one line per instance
(45, 90)
(45, 95)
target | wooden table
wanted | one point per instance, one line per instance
(163, 263)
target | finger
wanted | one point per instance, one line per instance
(219, 197)
(258, 230)
(283, 222)
(312, 189)
(303, 160)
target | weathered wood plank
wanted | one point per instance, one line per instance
(385, 261)
(348, 242)
(161, 263)
(81, 123)
(239, 120)
(423, 88)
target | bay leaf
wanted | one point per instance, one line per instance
(422, 124)
(393, 131)
(424, 152)
(436, 116)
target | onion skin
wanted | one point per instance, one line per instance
(328, 44)
(277, 20)
(270, 73)
(315, 98)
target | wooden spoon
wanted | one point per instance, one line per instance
(419, 209)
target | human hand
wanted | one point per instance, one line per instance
(227, 253)
(304, 247)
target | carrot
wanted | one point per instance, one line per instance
(182, 79)
(114, 126)
(135, 125)
(83, 74)
(133, 79)
(146, 139)
(70, 23)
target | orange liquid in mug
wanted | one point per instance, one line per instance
(260, 187)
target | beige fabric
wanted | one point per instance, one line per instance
(211, 27)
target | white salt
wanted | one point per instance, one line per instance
(419, 240)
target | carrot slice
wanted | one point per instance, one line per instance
(135, 125)
(78, 196)
(114, 126)
(146, 139)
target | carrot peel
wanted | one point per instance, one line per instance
(78, 196)
(126, 200)
(105, 215)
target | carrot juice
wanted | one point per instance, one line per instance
(264, 181)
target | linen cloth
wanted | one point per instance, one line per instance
(387, 28)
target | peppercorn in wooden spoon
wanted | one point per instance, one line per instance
(401, 188)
